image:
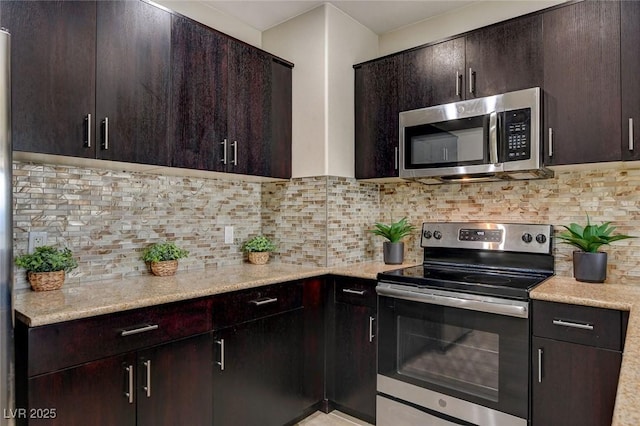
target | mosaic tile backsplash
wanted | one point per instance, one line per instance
(107, 217)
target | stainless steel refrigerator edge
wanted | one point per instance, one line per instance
(6, 233)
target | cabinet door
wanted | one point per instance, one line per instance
(576, 384)
(582, 83)
(53, 75)
(249, 103)
(258, 371)
(504, 57)
(630, 68)
(133, 82)
(433, 75)
(95, 393)
(277, 152)
(175, 383)
(354, 360)
(199, 99)
(377, 105)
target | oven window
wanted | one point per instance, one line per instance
(458, 358)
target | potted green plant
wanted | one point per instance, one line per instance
(393, 248)
(46, 267)
(589, 264)
(258, 249)
(162, 258)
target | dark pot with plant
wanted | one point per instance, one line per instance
(589, 264)
(258, 249)
(46, 267)
(393, 249)
(162, 258)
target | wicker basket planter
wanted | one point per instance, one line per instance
(259, 257)
(45, 281)
(164, 268)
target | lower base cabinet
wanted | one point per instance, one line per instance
(351, 349)
(576, 353)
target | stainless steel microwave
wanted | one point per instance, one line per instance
(491, 138)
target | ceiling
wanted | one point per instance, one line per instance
(379, 16)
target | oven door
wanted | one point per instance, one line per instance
(461, 355)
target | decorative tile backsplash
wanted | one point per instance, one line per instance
(107, 217)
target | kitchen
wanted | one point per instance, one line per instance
(110, 214)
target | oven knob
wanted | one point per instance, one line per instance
(541, 238)
(437, 235)
(426, 234)
(527, 238)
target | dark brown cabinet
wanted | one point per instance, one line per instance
(630, 67)
(351, 349)
(581, 45)
(377, 105)
(259, 356)
(576, 353)
(231, 104)
(82, 86)
(149, 366)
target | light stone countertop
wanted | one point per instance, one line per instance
(613, 296)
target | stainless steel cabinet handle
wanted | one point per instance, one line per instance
(87, 141)
(235, 152)
(129, 393)
(573, 324)
(139, 330)
(472, 84)
(458, 81)
(224, 151)
(540, 353)
(631, 145)
(371, 333)
(550, 142)
(221, 362)
(105, 144)
(351, 291)
(264, 301)
(147, 388)
(396, 160)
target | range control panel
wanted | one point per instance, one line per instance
(527, 238)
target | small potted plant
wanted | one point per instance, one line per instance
(46, 267)
(162, 258)
(258, 249)
(589, 264)
(393, 249)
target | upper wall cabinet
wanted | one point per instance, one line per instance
(90, 79)
(630, 67)
(582, 82)
(497, 59)
(377, 105)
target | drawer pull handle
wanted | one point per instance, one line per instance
(573, 324)
(129, 393)
(139, 330)
(358, 292)
(264, 301)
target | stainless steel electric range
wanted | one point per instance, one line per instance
(454, 333)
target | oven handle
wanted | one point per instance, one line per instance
(456, 302)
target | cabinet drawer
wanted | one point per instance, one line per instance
(65, 344)
(356, 292)
(585, 325)
(246, 305)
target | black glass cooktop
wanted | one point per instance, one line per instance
(469, 280)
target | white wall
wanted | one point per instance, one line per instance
(215, 18)
(323, 43)
(473, 16)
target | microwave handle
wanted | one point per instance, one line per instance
(493, 138)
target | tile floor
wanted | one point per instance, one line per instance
(334, 418)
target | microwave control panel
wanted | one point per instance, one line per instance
(517, 134)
